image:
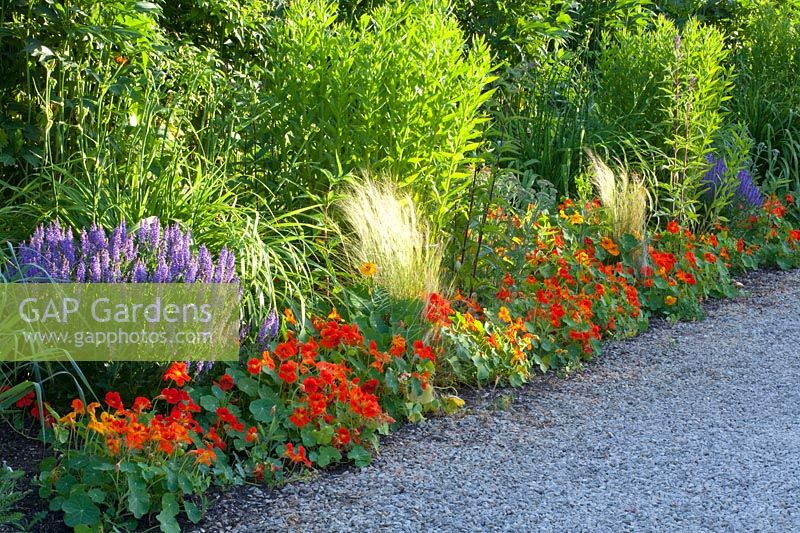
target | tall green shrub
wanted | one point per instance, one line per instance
(399, 92)
(767, 94)
(660, 100)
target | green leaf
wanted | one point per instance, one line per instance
(55, 503)
(327, 455)
(185, 482)
(169, 510)
(80, 509)
(360, 456)
(324, 435)
(97, 495)
(209, 403)
(628, 242)
(192, 511)
(262, 409)
(247, 385)
(147, 7)
(138, 498)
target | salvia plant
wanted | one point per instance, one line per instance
(152, 253)
(740, 186)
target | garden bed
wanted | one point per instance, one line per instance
(589, 432)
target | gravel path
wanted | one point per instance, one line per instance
(692, 427)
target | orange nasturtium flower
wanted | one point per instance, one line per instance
(609, 246)
(205, 456)
(368, 269)
(288, 315)
(177, 373)
(670, 300)
(398, 347)
(504, 315)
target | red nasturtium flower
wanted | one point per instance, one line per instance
(424, 352)
(114, 401)
(26, 400)
(310, 385)
(330, 336)
(288, 371)
(300, 417)
(318, 403)
(686, 277)
(673, 227)
(380, 357)
(503, 294)
(173, 396)
(254, 366)
(77, 406)
(224, 414)
(689, 256)
(297, 457)
(225, 383)
(351, 336)
(342, 436)
(141, 404)
(309, 350)
(773, 206)
(286, 350)
(438, 309)
(364, 403)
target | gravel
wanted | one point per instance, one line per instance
(691, 427)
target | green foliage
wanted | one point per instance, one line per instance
(106, 118)
(660, 100)
(398, 92)
(541, 119)
(93, 487)
(632, 71)
(10, 495)
(235, 29)
(767, 94)
(517, 30)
